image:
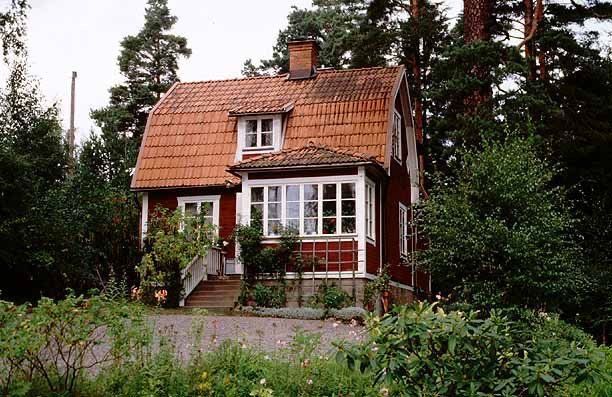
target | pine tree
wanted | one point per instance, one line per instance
(149, 63)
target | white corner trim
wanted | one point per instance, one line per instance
(360, 212)
(144, 216)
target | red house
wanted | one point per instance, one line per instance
(329, 153)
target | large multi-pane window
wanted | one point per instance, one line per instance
(404, 230)
(396, 136)
(309, 209)
(259, 133)
(370, 197)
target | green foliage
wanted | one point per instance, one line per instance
(55, 343)
(374, 288)
(149, 63)
(171, 243)
(425, 351)
(329, 296)
(258, 260)
(501, 234)
(269, 296)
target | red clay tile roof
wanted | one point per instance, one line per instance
(312, 154)
(190, 138)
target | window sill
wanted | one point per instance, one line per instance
(258, 149)
(371, 240)
(333, 237)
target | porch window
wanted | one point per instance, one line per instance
(259, 133)
(370, 207)
(403, 230)
(396, 137)
(308, 209)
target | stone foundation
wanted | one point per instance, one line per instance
(354, 287)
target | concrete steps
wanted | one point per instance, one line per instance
(215, 294)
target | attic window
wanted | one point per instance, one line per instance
(259, 133)
(396, 137)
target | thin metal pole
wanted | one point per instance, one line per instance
(72, 131)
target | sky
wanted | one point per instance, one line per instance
(84, 35)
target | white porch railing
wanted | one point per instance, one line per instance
(200, 268)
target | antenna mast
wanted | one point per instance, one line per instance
(72, 131)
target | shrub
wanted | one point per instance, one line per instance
(425, 351)
(349, 313)
(500, 234)
(273, 296)
(303, 313)
(329, 296)
(56, 342)
(171, 243)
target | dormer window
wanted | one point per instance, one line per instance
(259, 133)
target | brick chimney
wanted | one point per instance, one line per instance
(303, 59)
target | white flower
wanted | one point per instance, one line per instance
(262, 381)
(309, 381)
(384, 392)
(266, 357)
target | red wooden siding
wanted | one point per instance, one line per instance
(331, 256)
(398, 190)
(227, 208)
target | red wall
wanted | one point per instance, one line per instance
(227, 207)
(373, 250)
(398, 190)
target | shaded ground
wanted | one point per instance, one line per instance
(267, 334)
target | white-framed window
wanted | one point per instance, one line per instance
(205, 206)
(259, 133)
(396, 136)
(311, 209)
(404, 230)
(370, 207)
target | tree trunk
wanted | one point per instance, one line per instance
(530, 55)
(477, 22)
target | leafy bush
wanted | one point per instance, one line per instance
(349, 313)
(329, 296)
(425, 351)
(374, 288)
(303, 313)
(266, 296)
(500, 234)
(56, 342)
(171, 243)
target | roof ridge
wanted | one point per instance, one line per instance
(284, 75)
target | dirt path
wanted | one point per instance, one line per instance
(266, 334)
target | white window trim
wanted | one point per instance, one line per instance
(370, 188)
(215, 200)
(277, 136)
(404, 229)
(359, 179)
(396, 156)
(320, 200)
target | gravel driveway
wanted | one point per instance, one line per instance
(261, 333)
